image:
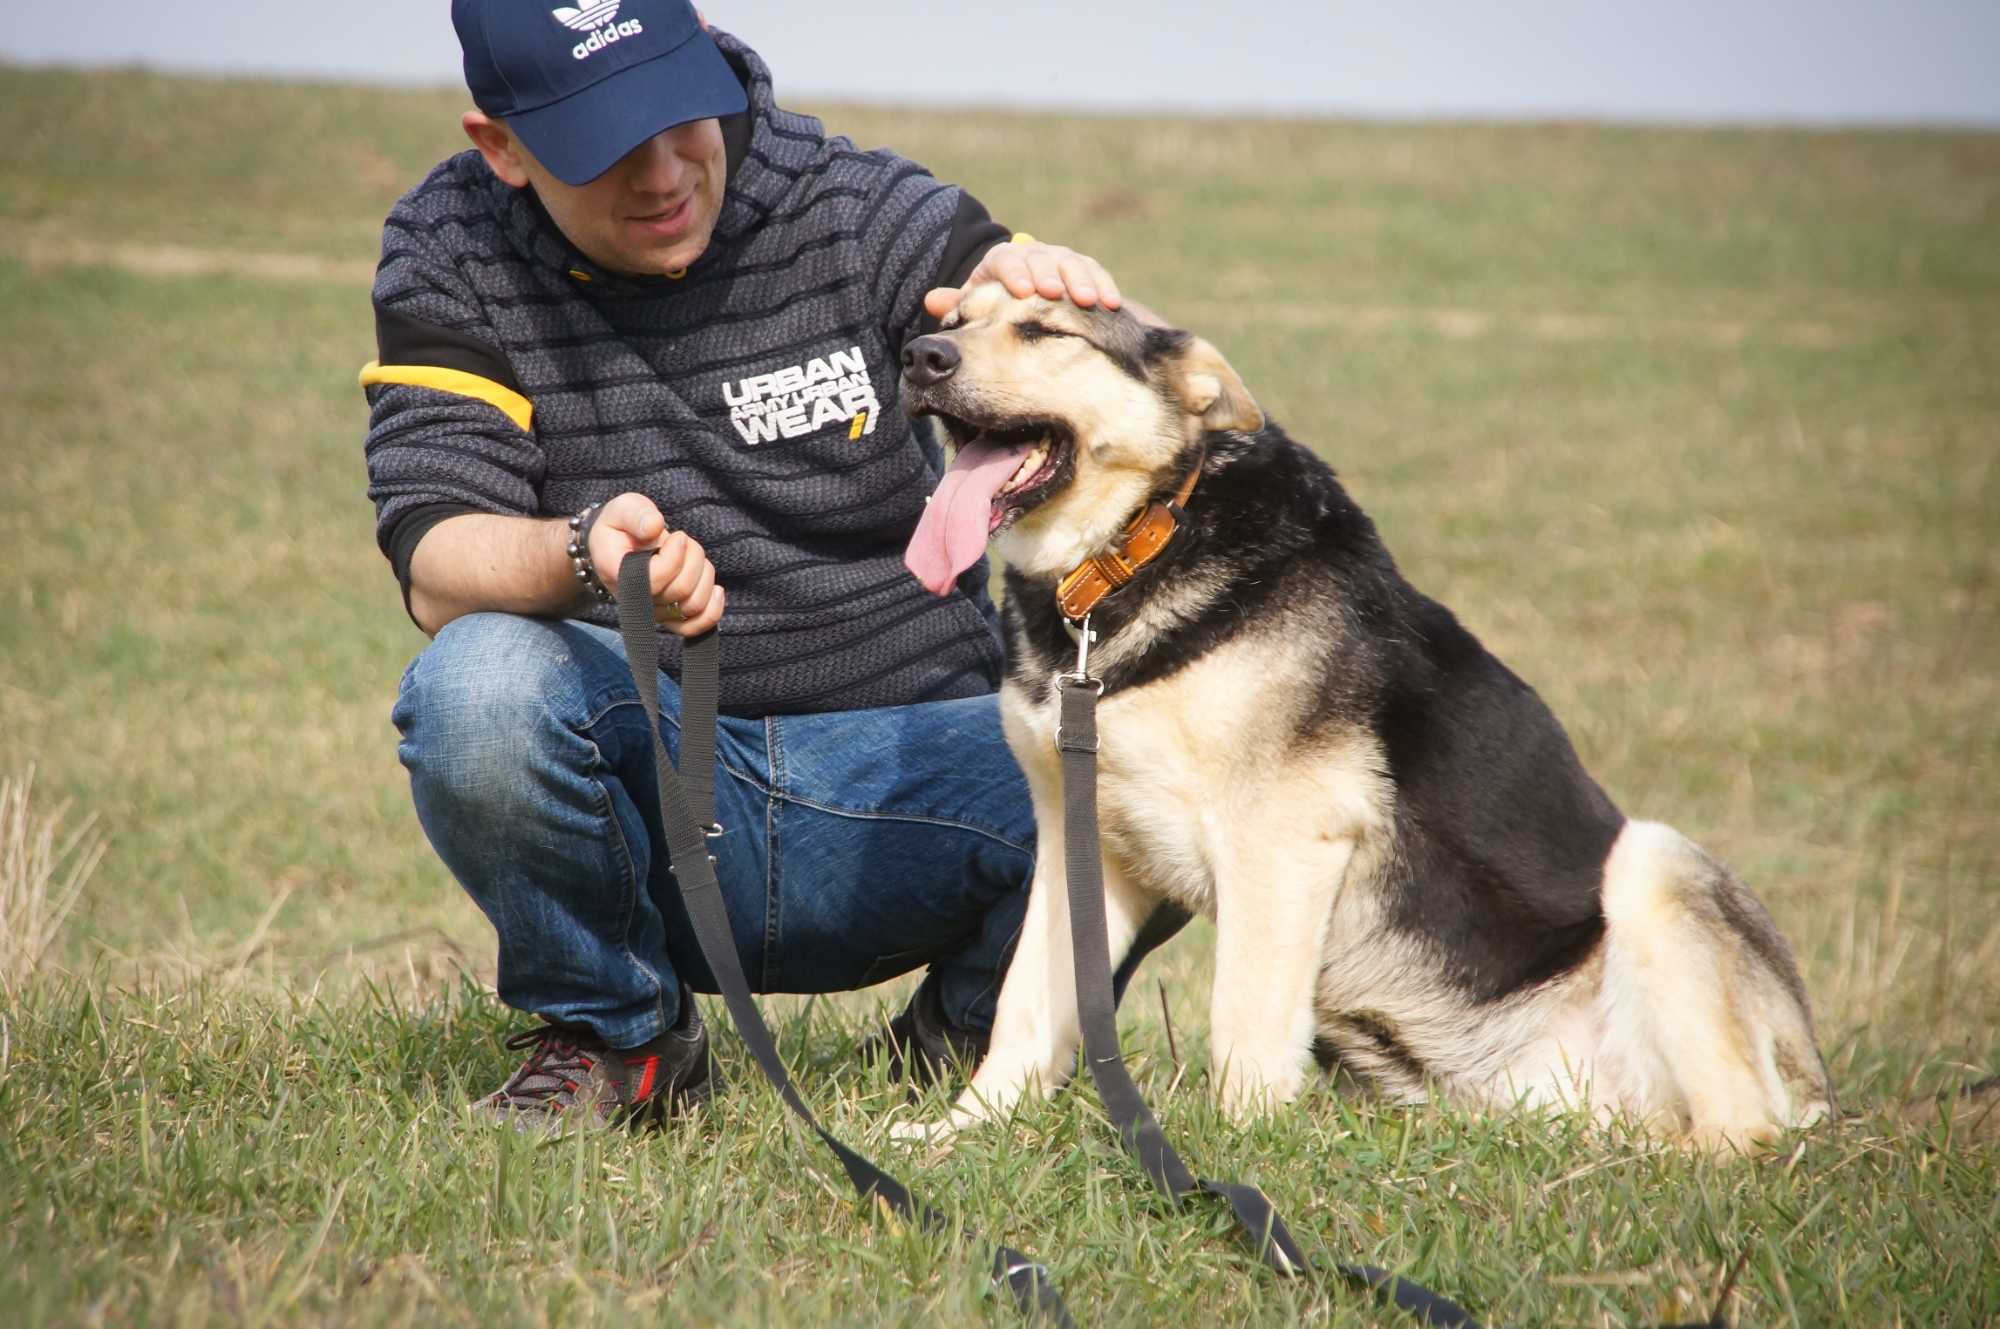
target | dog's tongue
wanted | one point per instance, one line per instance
(952, 534)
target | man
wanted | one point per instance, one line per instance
(652, 309)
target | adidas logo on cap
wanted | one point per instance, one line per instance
(594, 14)
(595, 17)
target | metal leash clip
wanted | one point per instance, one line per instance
(1081, 678)
(1080, 632)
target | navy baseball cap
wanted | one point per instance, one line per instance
(584, 85)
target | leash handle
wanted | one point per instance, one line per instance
(687, 812)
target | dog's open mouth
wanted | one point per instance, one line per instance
(1044, 450)
(1000, 472)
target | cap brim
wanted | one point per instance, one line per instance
(582, 136)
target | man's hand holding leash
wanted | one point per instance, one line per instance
(686, 599)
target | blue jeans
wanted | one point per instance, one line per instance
(857, 845)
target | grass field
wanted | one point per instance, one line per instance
(1698, 430)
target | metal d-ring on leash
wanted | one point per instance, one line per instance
(687, 812)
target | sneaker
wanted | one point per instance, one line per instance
(571, 1078)
(921, 1044)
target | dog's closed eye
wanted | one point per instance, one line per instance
(1033, 331)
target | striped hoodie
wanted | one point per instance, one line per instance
(754, 399)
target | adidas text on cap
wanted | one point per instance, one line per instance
(584, 84)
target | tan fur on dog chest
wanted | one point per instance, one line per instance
(1192, 764)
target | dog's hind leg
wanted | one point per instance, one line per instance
(1272, 907)
(1704, 1016)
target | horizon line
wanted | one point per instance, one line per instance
(1294, 110)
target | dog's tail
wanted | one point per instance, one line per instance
(1709, 1016)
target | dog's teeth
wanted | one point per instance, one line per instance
(1029, 465)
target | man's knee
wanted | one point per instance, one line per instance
(490, 699)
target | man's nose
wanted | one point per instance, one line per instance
(657, 167)
(928, 361)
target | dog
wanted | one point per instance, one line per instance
(1409, 871)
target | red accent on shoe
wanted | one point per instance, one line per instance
(651, 1066)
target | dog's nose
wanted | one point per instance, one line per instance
(929, 360)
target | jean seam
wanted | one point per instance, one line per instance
(775, 757)
(862, 814)
(748, 777)
(612, 705)
(631, 884)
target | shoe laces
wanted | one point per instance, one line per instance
(554, 1069)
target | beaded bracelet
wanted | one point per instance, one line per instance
(579, 552)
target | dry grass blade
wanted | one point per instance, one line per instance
(42, 874)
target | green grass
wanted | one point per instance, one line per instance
(1697, 429)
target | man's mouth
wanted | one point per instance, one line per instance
(668, 221)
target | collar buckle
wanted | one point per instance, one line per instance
(1141, 542)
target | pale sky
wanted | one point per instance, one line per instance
(1783, 61)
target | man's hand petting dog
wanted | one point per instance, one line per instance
(686, 599)
(1027, 268)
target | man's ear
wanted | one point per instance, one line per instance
(1209, 388)
(497, 144)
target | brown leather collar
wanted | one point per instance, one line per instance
(1101, 574)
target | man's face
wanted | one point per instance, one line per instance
(651, 214)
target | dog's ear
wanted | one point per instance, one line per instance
(1209, 388)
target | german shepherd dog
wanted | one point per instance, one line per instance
(1409, 871)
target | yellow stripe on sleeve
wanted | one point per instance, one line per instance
(503, 399)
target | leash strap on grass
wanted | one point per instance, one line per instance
(687, 812)
(1253, 1211)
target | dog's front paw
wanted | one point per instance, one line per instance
(923, 1132)
(1252, 1089)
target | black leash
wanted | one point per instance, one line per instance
(687, 811)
